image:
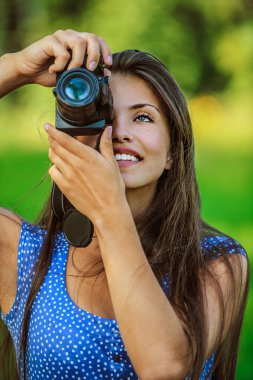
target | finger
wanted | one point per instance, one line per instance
(56, 176)
(54, 48)
(93, 51)
(78, 52)
(69, 145)
(60, 150)
(105, 51)
(74, 42)
(60, 181)
(105, 146)
(60, 164)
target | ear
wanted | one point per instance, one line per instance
(168, 162)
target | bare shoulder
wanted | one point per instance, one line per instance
(230, 270)
(225, 287)
(10, 226)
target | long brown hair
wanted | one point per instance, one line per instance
(172, 228)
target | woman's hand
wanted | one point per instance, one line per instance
(90, 180)
(39, 62)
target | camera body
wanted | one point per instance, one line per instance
(84, 103)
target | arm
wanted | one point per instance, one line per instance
(38, 64)
(152, 332)
(9, 79)
(151, 329)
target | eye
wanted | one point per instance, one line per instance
(144, 117)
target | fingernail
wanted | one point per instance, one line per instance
(46, 127)
(92, 65)
(109, 60)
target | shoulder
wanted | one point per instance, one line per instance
(214, 246)
(226, 266)
(20, 243)
(226, 259)
(15, 233)
(225, 281)
(10, 227)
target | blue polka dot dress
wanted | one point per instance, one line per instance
(65, 341)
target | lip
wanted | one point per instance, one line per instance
(127, 151)
(126, 164)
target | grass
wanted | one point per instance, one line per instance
(225, 180)
(226, 183)
(27, 183)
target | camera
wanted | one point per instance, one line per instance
(84, 106)
(84, 103)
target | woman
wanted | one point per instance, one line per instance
(158, 294)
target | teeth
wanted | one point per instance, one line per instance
(125, 157)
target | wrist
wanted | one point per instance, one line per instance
(106, 224)
(116, 233)
(10, 77)
(16, 63)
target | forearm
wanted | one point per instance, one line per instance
(9, 80)
(150, 328)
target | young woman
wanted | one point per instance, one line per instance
(158, 294)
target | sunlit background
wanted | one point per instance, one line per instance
(207, 46)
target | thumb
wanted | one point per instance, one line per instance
(105, 145)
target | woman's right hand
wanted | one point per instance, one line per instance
(39, 62)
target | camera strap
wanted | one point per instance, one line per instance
(77, 228)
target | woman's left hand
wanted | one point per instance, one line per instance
(90, 180)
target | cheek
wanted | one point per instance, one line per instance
(158, 154)
(158, 147)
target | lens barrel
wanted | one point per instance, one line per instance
(77, 95)
(84, 103)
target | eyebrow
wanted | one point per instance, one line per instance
(141, 105)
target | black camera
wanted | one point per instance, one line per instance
(84, 104)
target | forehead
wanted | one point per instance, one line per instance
(128, 89)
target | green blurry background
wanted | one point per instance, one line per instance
(207, 46)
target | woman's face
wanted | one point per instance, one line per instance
(140, 135)
(140, 130)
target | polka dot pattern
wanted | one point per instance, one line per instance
(65, 341)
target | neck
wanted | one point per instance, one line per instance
(87, 259)
(140, 199)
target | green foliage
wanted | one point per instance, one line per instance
(207, 46)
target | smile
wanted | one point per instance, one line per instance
(126, 157)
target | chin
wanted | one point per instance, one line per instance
(144, 187)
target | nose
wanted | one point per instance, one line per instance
(121, 131)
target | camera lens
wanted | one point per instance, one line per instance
(83, 102)
(77, 89)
